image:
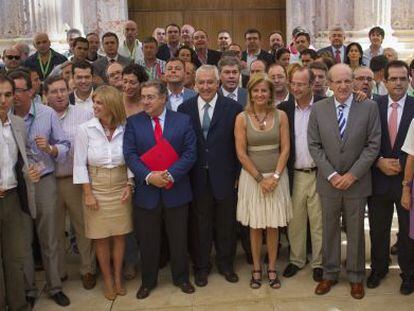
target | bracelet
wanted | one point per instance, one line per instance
(407, 183)
(259, 177)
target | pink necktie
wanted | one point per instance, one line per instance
(392, 123)
(338, 56)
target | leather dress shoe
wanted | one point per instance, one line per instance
(357, 290)
(143, 292)
(201, 279)
(61, 299)
(374, 280)
(317, 274)
(64, 278)
(230, 276)
(88, 280)
(407, 285)
(290, 270)
(31, 301)
(187, 288)
(324, 286)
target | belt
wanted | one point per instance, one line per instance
(45, 175)
(306, 170)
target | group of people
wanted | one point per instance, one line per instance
(165, 148)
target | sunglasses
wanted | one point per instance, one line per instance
(10, 57)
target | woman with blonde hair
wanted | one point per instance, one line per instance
(262, 145)
(100, 167)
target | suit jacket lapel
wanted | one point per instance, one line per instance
(332, 115)
(383, 110)
(404, 122)
(353, 111)
(195, 116)
(218, 113)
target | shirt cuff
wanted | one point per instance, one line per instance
(332, 175)
(80, 175)
(147, 179)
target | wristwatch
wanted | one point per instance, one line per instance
(276, 175)
(407, 183)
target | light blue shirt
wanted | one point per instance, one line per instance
(161, 117)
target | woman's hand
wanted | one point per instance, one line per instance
(126, 194)
(406, 198)
(91, 202)
(268, 184)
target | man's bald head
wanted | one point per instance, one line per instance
(130, 31)
(41, 42)
(340, 78)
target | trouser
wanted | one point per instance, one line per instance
(148, 223)
(353, 210)
(12, 253)
(46, 228)
(70, 201)
(305, 205)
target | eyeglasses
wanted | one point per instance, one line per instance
(395, 79)
(19, 91)
(15, 57)
(362, 79)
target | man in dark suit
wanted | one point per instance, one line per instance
(344, 138)
(278, 75)
(110, 44)
(154, 200)
(306, 205)
(213, 176)
(337, 47)
(169, 49)
(16, 196)
(396, 112)
(229, 71)
(204, 54)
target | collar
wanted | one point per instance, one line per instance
(136, 43)
(256, 54)
(347, 103)
(78, 99)
(380, 51)
(400, 102)
(171, 93)
(201, 102)
(109, 58)
(161, 117)
(226, 93)
(94, 122)
(309, 106)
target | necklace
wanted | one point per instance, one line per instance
(262, 122)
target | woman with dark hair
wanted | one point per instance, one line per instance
(353, 55)
(186, 54)
(282, 56)
(262, 145)
(133, 76)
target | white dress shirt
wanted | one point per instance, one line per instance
(86, 104)
(201, 102)
(136, 54)
(400, 109)
(303, 159)
(8, 157)
(93, 148)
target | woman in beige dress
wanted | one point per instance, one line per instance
(100, 167)
(262, 145)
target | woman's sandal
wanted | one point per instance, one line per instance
(273, 282)
(256, 283)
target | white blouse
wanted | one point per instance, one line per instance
(92, 147)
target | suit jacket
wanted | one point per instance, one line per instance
(33, 63)
(188, 93)
(213, 58)
(163, 52)
(267, 57)
(139, 138)
(355, 153)
(100, 65)
(241, 96)
(218, 150)
(382, 183)
(289, 107)
(329, 50)
(25, 187)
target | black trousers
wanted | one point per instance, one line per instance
(148, 225)
(213, 220)
(380, 211)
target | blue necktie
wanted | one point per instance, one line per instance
(206, 120)
(341, 120)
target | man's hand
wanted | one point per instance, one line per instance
(43, 144)
(346, 181)
(159, 179)
(2, 193)
(33, 173)
(335, 180)
(389, 166)
(91, 202)
(360, 96)
(406, 198)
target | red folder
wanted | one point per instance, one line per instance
(160, 157)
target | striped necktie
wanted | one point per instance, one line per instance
(341, 120)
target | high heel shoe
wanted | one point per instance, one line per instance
(273, 282)
(255, 283)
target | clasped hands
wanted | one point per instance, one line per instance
(389, 166)
(342, 182)
(268, 184)
(159, 179)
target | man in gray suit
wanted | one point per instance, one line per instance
(110, 44)
(344, 137)
(16, 195)
(229, 71)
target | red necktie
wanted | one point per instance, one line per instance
(338, 56)
(392, 124)
(157, 130)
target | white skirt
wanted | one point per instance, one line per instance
(258, 210)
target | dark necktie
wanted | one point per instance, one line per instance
(206, 120)
(341, 120)
(338, 56)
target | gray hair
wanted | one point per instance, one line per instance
(228, 61)
(210, 68)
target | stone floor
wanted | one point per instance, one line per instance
(296, 293)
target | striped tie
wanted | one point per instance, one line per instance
(341, 120)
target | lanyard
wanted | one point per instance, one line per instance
(154, 72)
(43, 69)
(131, 54)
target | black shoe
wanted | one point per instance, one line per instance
(201, 279)
(31, 300)
(407, 285)
(143, 292)
(187, 288)
(290, 270)
(249, 258)
(394, 249)
(374, 280)
(230, 276)
(317, 274)
(64, 278)
(61, 299)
